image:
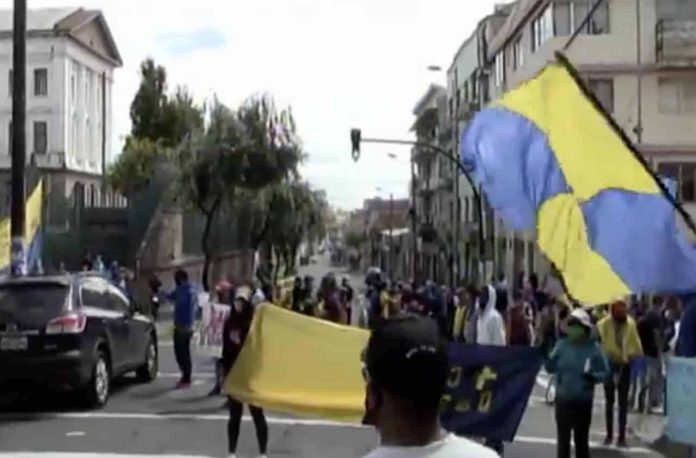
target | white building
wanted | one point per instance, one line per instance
(71, 57)
(638, 56)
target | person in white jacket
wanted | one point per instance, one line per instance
(490, 329)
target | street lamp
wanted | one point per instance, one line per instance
(357, 139)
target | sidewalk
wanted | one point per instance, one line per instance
(650, 429)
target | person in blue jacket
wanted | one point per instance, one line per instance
(185, 304)
(579, 364)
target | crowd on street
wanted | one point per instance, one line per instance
(622, 346)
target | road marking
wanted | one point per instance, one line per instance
(75, 434)
(281, 421)
(196, 375)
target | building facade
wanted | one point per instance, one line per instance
(639, 59)
(71, 58)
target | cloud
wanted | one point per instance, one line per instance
(178, 44)
(339, 63)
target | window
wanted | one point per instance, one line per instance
(517, 54)
(40, 137)
(687, 183)
(93, 294)
(569, 15)
(117, 301)
(542, 28)
(685, 176)
(40, 82)
(10, 82)
(500, 69)
(603, 89)
(677, 95)
(9, 138)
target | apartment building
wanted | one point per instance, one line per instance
(434, 199)
(639, 58)
(71, 58)
(467, 92)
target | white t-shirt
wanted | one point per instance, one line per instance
(449, 447)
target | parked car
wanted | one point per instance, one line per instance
(73, 331)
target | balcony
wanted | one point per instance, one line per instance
(53, 161)
(676, 42)
(445, 183)
(467, 110)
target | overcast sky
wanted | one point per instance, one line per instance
(339, 63)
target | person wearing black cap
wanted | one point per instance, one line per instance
(406, 369)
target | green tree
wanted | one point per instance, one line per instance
(211, 167)
(134, 167)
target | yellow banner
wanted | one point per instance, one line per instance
(32, 225)
(299, 365)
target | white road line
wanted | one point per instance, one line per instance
(75, 434)
(196, 375)
(271, 420)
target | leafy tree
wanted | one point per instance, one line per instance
(211, 166)
(134, 167)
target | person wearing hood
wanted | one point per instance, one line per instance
(579, 364)
(490, 328)
(686, 328)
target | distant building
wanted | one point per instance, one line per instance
(71, 58)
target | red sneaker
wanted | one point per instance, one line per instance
(182, 385)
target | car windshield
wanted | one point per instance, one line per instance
(31, 304)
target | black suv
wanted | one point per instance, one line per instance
(73, 331)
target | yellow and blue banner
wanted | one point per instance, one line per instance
(550, 159)
(32, 231)
(300, 365)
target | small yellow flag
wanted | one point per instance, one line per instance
(300, 365)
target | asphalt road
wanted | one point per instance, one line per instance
(156, 419)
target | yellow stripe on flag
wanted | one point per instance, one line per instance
(592, 156)
(32, 218)
(300, 365)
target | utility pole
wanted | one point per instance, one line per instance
(414, 222)
(639, 60)
(19, 72)
(391, 236)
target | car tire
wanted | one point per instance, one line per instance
(148, 371)
(98, 389)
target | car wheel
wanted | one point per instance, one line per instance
(148, 371)
(100, 383)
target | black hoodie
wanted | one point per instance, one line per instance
(234, 333)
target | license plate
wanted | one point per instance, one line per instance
(14, 343)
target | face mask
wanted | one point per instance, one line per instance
(619, 317)
(575, 332)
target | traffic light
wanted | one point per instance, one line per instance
(355, 141)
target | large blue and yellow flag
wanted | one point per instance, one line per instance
(549, 158)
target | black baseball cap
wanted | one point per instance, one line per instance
(407, 357)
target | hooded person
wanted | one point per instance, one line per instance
(490, 328)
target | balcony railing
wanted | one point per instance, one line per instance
(675, 42)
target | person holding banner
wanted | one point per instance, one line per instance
(234, 333)
(406, 370)
(579, 364)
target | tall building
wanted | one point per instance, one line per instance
(71, 58)
(467, 91)
(434, 199)
(639, 59)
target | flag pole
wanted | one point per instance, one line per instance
(582, 25)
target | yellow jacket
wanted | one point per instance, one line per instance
(630, 344)
(459, 320)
